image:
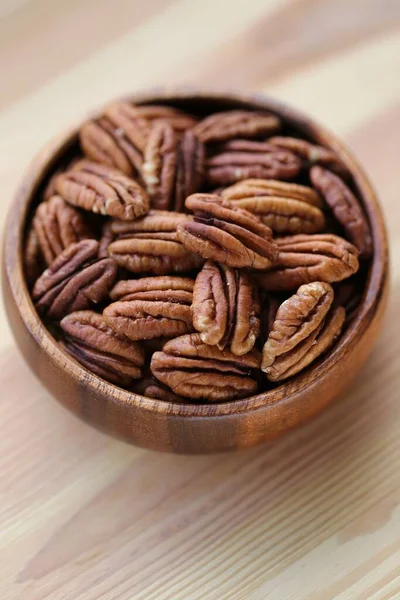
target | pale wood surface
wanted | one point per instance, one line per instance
(314, 516)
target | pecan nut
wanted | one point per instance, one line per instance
(227, 234)
(159, 164)
(304, 327)
(145, 115)
(155, 288)
(226, 308)
(190, 168)
(74, 281)
(152, 245)
(102, 189)
(232, 124)
(128, 121)
(104, 142)
(92, 342)
(306, 258)
(154, 307)
(345, 208)
(201, 372)
(132, 123)
(276, 207)
(57, 225)
(245, 159)
(311, 154)
(272, 187)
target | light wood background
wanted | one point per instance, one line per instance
(314, 516)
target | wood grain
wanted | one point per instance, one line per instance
(312, 516)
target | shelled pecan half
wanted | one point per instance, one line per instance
(345, 207)
(306, 258)
(125, 113)
(304, 327)
(152, 245)
(226, 308)
(271, 187)
(57, 224)
(153, 307)
(159, 164)
(227, 234)
(105, 142)
(126, 119)
(75, 280)
(92, 342)
(146, 288)
(311, 154)
(232, 124)
(246, 159)
(284, 207)
(190, 168)
(201, 372)
(102, 189)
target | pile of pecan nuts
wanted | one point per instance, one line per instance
(197, 258)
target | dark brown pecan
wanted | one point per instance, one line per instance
(74, 281)
(92, 342)
(57, 225)
(102, 189)
(236, 123)
(276, 207)
(159, 164)
(226, 308)
(345, 208)
(244, 159)
(105, 142)
(33, 259)
(249, 188)
(304, 327)
(153, 307)
(306, 258)
(151, 388)
(227, 234)
(189, 168)
(152, 245)
(311, 153)
(201, 372)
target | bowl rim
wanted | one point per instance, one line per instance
(45, 160)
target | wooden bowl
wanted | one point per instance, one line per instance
(190, 428)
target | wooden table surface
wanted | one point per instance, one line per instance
(313, 516)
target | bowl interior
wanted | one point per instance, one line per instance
(200, 103)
